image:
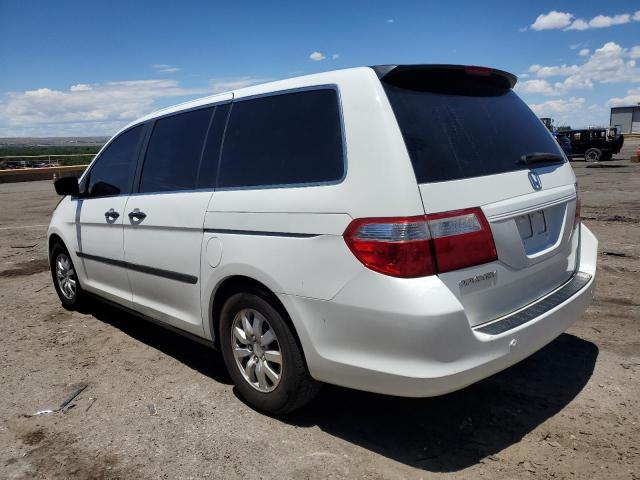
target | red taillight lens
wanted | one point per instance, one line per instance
(423, 245)
(576, 215)
(461, 239)
(394, 246)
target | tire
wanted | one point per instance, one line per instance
(65, 279)
(593, 155)
(256, 384)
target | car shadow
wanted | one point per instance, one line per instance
(440, 434)
(194, 355)
(455, 431)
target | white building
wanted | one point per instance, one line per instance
(626, 119)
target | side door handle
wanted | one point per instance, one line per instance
(136, 215)
(111, 214)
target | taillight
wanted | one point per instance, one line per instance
(397, 246)
(461, 239)
(422, 245)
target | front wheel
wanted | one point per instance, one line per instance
(65, 279)
(262, 355)
(593, 155)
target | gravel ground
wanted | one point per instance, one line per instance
(160, 406)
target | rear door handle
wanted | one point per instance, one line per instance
(137, 215)
(111, 214)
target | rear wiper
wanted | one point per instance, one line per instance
(538, 157)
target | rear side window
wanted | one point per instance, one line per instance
(458, 126)
(173, 155)
(285, 139)
(113, 171)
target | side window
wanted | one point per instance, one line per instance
(211, 156)
(173, 155)
(284, 139)
(114, 169)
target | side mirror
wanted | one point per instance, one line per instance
(67, 186)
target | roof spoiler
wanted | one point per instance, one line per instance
(499, 77)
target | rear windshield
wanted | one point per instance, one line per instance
(460, 126)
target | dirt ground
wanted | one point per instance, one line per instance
(160, 406)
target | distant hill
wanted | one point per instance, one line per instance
(52, 141)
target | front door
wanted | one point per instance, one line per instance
(163, 225)
(101, 215)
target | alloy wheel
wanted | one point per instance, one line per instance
(256, 350)
(66, 276)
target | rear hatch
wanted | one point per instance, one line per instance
(474, 143)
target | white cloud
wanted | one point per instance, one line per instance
(573, 112)
(164, 68)
(96, 109)
(634, 52)
(535, 86)
(558, 106)
(80, 87)
(632, 98)
(584, 52)
(576, 46)
(610, 63)
(600, 21)
(227, 84)
(335, 56)
(578, 24)
(603, 21)
(391, 20)
(556, 71)
(317, 56)
(564, 20)
(552, 20)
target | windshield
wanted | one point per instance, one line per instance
(457, 126)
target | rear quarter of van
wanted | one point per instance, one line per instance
(363, 329)
(289, 238)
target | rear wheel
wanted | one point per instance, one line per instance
(65, 279)
(262, 355)
(593, 155)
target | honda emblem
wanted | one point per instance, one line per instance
(536, 183)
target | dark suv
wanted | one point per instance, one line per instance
(595, 144)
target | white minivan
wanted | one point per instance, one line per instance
(400, 229)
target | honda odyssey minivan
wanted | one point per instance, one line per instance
(406, 230)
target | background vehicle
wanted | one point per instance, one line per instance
(363, 227)
(564, 142)
(595, 144)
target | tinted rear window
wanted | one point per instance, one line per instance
(458, 126)
(285, 139)
(173, 154)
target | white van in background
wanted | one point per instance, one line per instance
(406, 230)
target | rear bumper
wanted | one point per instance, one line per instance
(391, 336)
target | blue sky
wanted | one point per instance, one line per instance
(87, 68)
